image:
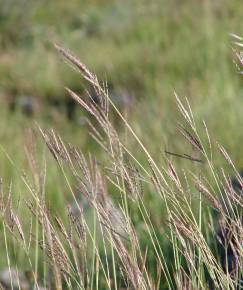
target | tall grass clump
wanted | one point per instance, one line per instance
(153, 225)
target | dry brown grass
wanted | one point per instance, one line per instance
(73, 248)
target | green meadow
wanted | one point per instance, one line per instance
(147, 188)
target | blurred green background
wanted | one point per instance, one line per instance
(145, 50)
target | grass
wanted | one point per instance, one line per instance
(149, 55)
(146, 218)
(108, 250)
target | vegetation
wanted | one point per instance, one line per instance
(111, 253)
(153, 201)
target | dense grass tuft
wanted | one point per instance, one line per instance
(134, 223)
